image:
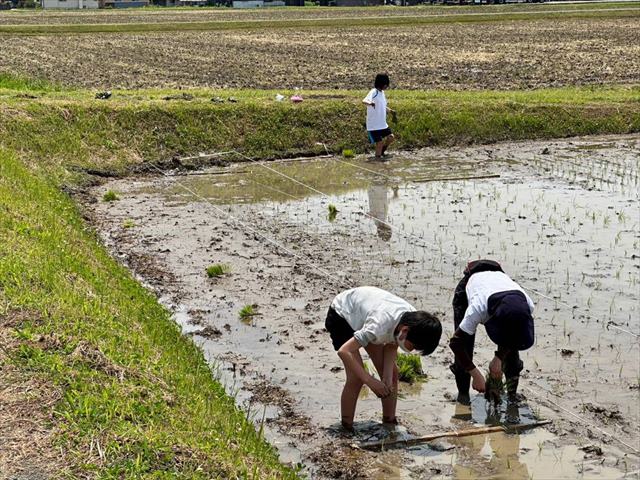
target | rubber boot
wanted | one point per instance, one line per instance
(512, 389)
(512, 414)
(463, 382)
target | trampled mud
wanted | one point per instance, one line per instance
(562, 217)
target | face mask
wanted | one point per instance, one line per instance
(401, 344)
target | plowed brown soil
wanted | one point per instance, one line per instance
(497, 55)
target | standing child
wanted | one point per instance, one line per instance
(377, 127)
(486, 295)
(379, 322)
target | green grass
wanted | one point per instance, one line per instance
(21, 83)
(110, 196)
(247, 312)
(333, 212)
(217, 270)
(153, 402)
(410, 368)
(351, 22)
(77, 133)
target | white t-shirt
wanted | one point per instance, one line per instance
(373, 313)
(376, 117)
(480, 287)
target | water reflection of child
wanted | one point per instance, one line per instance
(471, 463)
(379, 322)
(378, 209)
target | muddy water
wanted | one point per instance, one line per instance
(562, 217)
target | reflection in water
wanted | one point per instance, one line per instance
(378, 209)
(494, 455)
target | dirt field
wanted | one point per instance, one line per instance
(498, 55)
(561, 216)
(185, 15)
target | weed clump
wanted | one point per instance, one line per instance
(348, 153)
(217, 270)
(128, 223)
(410, 368)
(333, 212)
(110, 196)
(247, 312)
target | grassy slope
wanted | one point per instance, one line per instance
(150, 400)
(167, 417)
(74, 130)
(617, 12)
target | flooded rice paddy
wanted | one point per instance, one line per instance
(562, 217)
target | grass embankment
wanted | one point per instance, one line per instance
(124, 394)
(363, 21)
(128, 395)
(67, 130)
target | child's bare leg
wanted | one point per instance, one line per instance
(387, 141)
(391, 402)
(379, 148)
(376, 352)
(349, 397)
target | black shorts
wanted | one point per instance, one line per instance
(510, 324)
(339, 329)
(376, 136)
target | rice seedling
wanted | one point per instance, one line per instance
(622, 217)
(333, 212)
(369, 369)
(217, 270)
(410, 368)
(493, 388)
(247, 312)
(110, 196)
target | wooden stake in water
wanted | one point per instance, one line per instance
(453, 433)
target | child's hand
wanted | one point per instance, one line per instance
(495, 367)
(478, 383)
(379, 388)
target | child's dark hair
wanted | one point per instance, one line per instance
(381, 81)
(424, 330)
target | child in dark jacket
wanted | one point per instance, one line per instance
(486, 295)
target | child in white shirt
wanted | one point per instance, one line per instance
(379, 322)
(487, 296)
(379, 132)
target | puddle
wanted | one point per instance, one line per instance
(563, 218)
